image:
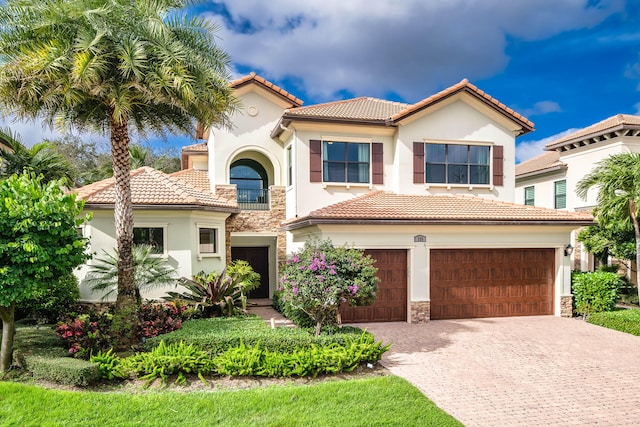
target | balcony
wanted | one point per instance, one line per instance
(253, 199)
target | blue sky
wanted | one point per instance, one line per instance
(564, 64)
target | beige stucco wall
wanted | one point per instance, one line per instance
(249, 138)
(181, 240)
(439, 237)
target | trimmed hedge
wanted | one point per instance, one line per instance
(595, 292)
(624, 320)
(220, 334)
(63, 370)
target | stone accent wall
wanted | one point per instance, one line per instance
(420, 312)
(566, 306)
(257, 221)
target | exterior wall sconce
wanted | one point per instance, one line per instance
(568, 249)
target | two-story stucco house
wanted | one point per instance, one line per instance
(428, 189)
(550, 180)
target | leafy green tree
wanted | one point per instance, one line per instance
(320, 277)
(113, 65)
(616, 179)
(615, 239)
(39, 243)
(149, 271)
(139, 156)
(41, 159)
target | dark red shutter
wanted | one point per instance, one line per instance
(315, 160)
(498, 161)
(418, 162)
(377, 163)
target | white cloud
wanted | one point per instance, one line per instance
(374, 47)
(29, 131)
(526, 150)
(542, 107)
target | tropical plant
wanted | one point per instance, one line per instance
(595, 292)
(39, 243)
(41, 159)
(114, 65)
(616, 178)
(149, 271)
(218, 293)
(321, 277)
(52, 303)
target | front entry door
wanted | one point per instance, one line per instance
(258, 258)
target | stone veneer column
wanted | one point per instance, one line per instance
(566, 306)
(420, 312)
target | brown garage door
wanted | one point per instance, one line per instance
(469, 283)
(391, 299)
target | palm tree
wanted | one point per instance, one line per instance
(149, 271)
(112, 65)
(618, 180)
(42, 159)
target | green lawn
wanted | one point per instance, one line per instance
(379, 401)
(623, 320)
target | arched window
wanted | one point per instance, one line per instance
(251, 181)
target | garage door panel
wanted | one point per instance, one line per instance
(469, 283)
(391, 298)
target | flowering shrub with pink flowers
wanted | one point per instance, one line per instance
(321, 277)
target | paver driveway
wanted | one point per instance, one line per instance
(519, 371)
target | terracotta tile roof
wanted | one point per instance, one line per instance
(201, 147)
(194, 177)
(152, 187)
(465, 86)
(385, 207)
(597, 131)
(542, 163)
(379, 111)
(363, 108)
(253, 77)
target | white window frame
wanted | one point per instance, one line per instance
(217, 253)
(165, 236)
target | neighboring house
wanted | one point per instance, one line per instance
(550, 179)
(427, 189)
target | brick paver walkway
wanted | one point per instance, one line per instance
(520, 371)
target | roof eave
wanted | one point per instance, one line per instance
(306, 222)
(542, 171)
(584, 138)
(111, 206)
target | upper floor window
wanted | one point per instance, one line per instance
(251, 182)
(560, 194)
(345, 162)
(153, 236)
(457, 164)
(530, 195)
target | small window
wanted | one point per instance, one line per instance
(530, 196)
(560, 194)
(457, 164)
(345, 162)
(208, 240)
(289, 167)
(153, 236)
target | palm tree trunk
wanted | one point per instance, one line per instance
(8, 332)
(123, 213)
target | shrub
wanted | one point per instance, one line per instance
(624, 320)
(310, 361)
(292, 313)
(90, 333)
(595, 292)
(219, 334)
(320, 277)
(64, 370)
(50, 304)
(223, 293)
